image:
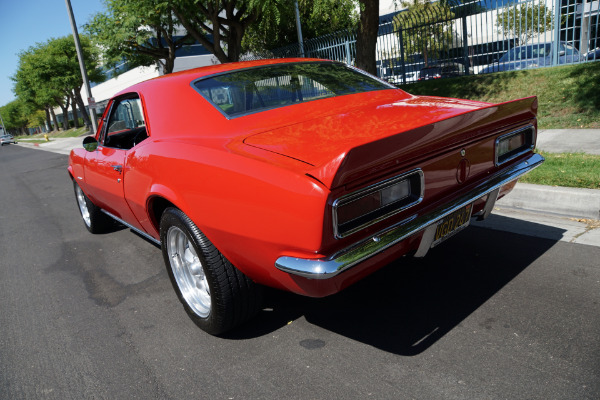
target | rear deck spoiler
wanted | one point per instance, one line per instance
(417, 143)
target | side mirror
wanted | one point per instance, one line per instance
(561, 53)
(90, 143)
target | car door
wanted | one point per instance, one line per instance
(106, 167)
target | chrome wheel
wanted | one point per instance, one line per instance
(81, 201)
(216, 295)
(188, 272)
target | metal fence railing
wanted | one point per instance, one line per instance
(452, 37)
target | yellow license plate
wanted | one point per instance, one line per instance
(452, 224)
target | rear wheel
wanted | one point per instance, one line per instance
(216, 295)
(95, 220)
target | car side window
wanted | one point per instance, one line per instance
(126, 125)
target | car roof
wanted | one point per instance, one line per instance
(174, 107)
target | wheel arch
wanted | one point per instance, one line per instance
(157, 204)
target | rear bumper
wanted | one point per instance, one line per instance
(328, 267)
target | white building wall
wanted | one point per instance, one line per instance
(185, 63)
(387, 6)
(109, 88)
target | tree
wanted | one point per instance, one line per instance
(425, 27)
(48, 75)
(318, 17)
(524, 20)
(142, 32)
(220, 26)
(366, 38)
(66, 74)
(37, 118)
(31, 83)
(15, 116)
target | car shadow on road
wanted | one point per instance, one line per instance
(407, 306)
(115, 226)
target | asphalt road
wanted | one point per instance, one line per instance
(487, 315)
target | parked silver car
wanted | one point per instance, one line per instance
(532, 56)
(7, 139)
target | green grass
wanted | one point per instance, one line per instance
(569, 96)
(567, 169)
(54, 134)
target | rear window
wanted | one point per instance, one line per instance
(257, 89)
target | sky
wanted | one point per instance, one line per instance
(23, 23)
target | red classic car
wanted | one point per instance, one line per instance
(302, 175)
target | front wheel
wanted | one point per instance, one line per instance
(215, 294)
(95, 221)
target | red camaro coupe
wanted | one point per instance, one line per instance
(302, 175)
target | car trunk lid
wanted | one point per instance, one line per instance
(342, 147)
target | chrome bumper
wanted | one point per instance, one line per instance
(328, 267)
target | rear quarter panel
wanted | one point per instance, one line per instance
(250, 209)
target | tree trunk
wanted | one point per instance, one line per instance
(55, 119)
(48, 122)
(213, 44)
(170, 61)
(235, 43)
(172, 48)
(65, 111)
(75, 116)
(86, 116)
(366, 40)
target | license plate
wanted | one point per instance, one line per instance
(451, 224)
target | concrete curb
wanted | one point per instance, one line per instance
(571, 202)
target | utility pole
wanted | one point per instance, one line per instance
(84, 74)
(299, 28)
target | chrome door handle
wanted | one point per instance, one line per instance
(118, 168)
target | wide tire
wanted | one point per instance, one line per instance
(94, 220)
(216, 295)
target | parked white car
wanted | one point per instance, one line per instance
(7, 139)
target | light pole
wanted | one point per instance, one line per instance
(84, 75)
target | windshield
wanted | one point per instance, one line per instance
(568, 50)
(258, 89)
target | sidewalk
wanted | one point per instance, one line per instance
(569, 140)
(569, 202)
(56, 145)
(561, 201)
